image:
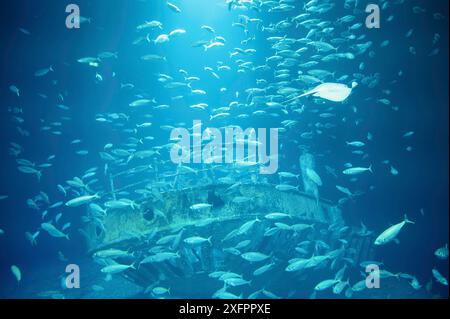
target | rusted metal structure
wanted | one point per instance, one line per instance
(135, 229)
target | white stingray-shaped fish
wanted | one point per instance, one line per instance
(335, 92)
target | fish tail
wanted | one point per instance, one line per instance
(39, 175)
(297, 97)
(408, 221)
(370, 168)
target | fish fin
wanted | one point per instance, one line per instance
(397, 241)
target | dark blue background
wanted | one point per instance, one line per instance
(421, 94)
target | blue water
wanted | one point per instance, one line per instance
(415, 83)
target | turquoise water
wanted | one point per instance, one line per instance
(99, 122)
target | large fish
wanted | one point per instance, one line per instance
(78, 201)
(391, 233)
